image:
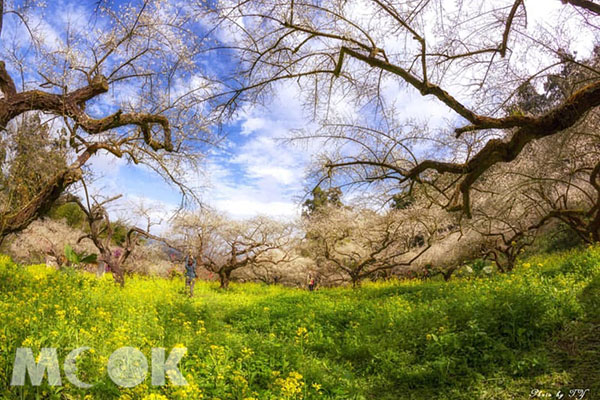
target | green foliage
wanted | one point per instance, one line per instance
(560, 237)
(478, 265)
(402, 201)
(30, 156)
(322, 199)
(470, 338)
(120, 230)
(590, 299)
(71, 213)
(77, 259)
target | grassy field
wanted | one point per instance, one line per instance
(472, 338)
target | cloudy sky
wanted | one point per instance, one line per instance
(252, 171)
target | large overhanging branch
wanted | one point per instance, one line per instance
(72, 105)
(478, 122)
(586, 4)
(496, 150)
(422, 84)
(528, 128)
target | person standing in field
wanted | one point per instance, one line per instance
(190, 273)
(311, 283)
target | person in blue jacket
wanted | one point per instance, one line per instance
(190, 273)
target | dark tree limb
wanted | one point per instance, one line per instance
(478, 122)
(496, 150)
(1, 14)
(72, 105)
(509, 21)
(586, 4)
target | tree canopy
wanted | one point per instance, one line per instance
(123, 80)
(472, 61)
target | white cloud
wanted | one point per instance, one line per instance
(251, 125)
(233, 192)
(247, 207)
(258, 173)
(133, 207)
(284, 176)
(48, 35)
(106, 165)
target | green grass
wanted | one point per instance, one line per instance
(484, 338)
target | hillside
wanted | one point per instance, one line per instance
(497, 337)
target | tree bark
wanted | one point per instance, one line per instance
(117, 270)
(586, 4)
(511, 260)
(447, 274)
(40, 204)
(224, 279)
(1, 14)
(70, 105)
(119, 275)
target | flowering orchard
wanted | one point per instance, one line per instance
(468, 338)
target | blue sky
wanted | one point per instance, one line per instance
(252, 171)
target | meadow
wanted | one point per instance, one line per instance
(486, 337)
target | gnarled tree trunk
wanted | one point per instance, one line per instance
(17, 221)
(224, 279)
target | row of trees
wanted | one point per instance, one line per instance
(335, 242)
(557, 181)
(519, 149)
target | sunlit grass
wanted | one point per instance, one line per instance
(469, 338)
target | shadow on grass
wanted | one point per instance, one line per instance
(576, 349)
